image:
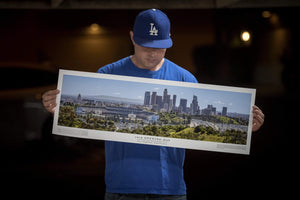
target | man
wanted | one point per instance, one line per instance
(136, 171)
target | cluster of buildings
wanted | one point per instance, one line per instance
(210, 110)
(160, 103)
(122, 113)
(103, 109)
(165, 103)
(152, 100)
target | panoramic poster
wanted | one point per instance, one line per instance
(154, 112)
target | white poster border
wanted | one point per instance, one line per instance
(153, 140)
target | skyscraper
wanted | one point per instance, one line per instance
(174, 100)
(194, 105)
(147, 98)
(79, 98)
(159, 101)
(170, 105)
(165, 100)
(182, 105)
(224, 111)
(153, 98)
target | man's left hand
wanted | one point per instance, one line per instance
(258, 118)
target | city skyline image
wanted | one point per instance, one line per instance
(204, 116)
(234, 102)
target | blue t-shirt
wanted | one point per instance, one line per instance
(138, 168)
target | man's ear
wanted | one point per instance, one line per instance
(131, 37)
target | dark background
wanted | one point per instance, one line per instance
(39, 37)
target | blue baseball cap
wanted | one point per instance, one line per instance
(152, 29)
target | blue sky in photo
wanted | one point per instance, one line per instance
(234, 101)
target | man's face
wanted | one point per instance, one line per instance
(148, 58)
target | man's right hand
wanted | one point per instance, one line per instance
(49, 100)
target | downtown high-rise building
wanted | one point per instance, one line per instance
(194, 106)
(182, 105)
(79, 98)
(165, 97)
(174, 100)
(224, 111)
(153, 98)
(159, 100)
(147, 98)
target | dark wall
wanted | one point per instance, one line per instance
(35, 43)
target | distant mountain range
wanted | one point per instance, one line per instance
(238, 115)
(115, 99)
(105, 98)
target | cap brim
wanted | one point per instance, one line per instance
(158, 44)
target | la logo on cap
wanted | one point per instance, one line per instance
(153, 30)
